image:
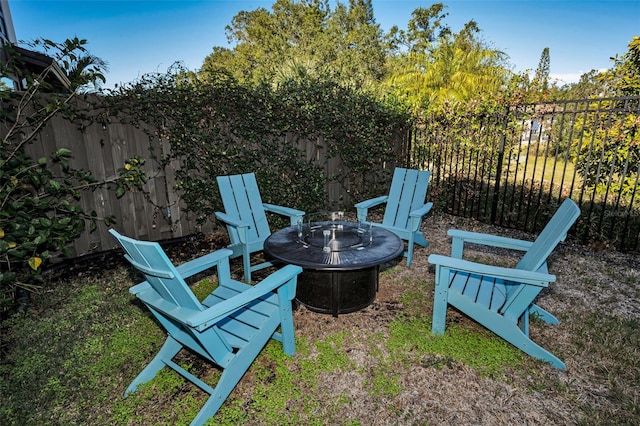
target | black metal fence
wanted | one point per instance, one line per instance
(513, 167)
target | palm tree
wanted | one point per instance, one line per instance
(87, 73)
(457, 69)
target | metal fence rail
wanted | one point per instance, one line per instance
(512, 168)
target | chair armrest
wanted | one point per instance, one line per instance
(539, 279)
(207, 318)
(152, 299)
(241, 229)
(294, 214)
(228, 220)
(139, 288)
(201, 320)
(363, 207)
(367, 204)
(422, 210)
(203, 263)
(460, 237)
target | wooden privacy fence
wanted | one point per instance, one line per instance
(157, 213)
(513, 168)
(153, 214)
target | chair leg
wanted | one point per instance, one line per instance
(231, 376)
(226, 384)
(362, 214)
(538, 312)
(415, 238)
(170, 349)
(542, 314)
(409, 253)
(440, 302)
(510, 332)
(524, 323)
(419, 239)
(286, 326)
(246, 262)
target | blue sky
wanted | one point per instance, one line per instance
(138, 36)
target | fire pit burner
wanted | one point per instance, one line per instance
(340, 260)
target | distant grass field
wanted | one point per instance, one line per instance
(544, 170)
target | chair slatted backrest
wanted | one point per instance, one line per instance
(519, 297)
(152, 261)
(407, 193)
(241, 199)
(553, 233)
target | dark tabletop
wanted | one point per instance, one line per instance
(350, 253)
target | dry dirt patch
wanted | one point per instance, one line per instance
(587, 281)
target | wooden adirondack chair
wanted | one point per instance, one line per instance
(405, 207)
(501, 299)
(229, 328)
(245, 218)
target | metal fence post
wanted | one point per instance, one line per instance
(496, 186)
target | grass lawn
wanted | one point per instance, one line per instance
(544, 169)
(68, 359)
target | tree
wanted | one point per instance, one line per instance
(541, 77)
(624, 77)
(265, 40)
(302, 38)
(84, 70)
(358, 56)
(589, 85)
(38, 213)
(87, 71)
(424, 29)
(616, 141)
(433, 67)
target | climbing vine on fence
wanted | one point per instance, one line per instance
(219, 126)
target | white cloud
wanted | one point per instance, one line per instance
(568, 78)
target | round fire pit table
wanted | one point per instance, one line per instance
(340, 261)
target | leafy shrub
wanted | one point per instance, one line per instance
(39, 213)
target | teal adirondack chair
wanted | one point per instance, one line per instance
(499, 298)
(229, 328)
(405, 207)
(246, 220)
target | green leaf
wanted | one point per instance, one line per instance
(55, 185)
(28, 246)
(63, 152)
